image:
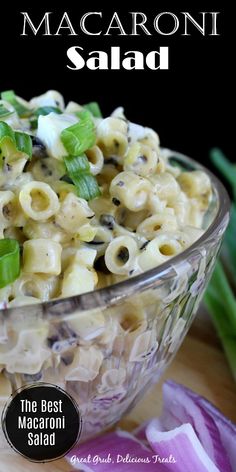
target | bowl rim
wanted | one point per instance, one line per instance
(112, 294)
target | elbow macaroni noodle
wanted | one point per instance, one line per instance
(38, 201)
(148, 210)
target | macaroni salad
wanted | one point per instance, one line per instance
(86, 201)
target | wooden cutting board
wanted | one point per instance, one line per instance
(200, 364)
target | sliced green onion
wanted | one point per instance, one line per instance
(46, 110)
(86, 186)
(94, 108)
(81, 113)
(6, 133)
(10, 97)
(77, 139)
(7, 140)
(80, 136)
(9, 261)
(23, 143)
(12, 142)
(4, 112)
(79, 172)
(76, 165)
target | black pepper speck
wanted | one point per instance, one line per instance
(107, 220)
(115, 201)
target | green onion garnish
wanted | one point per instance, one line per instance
(6, 133)
(46, 110)
(9, 96)
(80, 136)
(11, 142)
(4, 112)
(77, 139)
(7, 140)
(79, 172)
(23, 143)
(86, 186)
(76, 165)
(94, 108)
(9, 261)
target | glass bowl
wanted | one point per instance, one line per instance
(107, 347)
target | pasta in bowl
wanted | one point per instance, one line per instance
(107, 243)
